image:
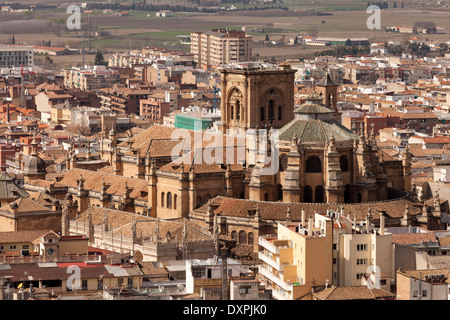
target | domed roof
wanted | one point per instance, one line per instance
(34, 165)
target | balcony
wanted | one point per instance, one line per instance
(273, 263)
(280, 282)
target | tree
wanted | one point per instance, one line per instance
(99, 59)
(267, 37)
(313, 32)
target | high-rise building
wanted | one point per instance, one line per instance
(16, 56)
(220, 46)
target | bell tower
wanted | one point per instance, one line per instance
(256, 98)
(328, 89)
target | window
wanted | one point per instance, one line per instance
(361, 262)
(424, 293)
(262, 114)
(271, 116)
(162, 199)
(84, 285)
(25, 247)
(130, 282)
(307, 194)
(383, 282)
(242, 237)
(343, 163)
(198, 272)
(169, 200)
(416, 293)
(244, 289)
(12, 247)
(250, 238)
(313, 164)
(175, 201)
(359, 276)
(334, 260)
(280, 113)
(361, 247)
(100, 284)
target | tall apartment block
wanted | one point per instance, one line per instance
(16, 56)
(220, 46)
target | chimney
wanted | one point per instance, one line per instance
(310, 225)
(303, 217)
(382, 224)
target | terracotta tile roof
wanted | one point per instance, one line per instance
(416, 274)
(277, 210)
(197, 161)
(353, 293)
(21, 236)
(413, 238)
(120, 223)
(444, 241)
(115, 183)
(24, 205)
(149, 268)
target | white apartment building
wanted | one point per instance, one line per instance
(90, 77)
(363, 252)
(220, 46)
(16, 56)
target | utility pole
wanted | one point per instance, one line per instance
(89, 35)
(224, 292)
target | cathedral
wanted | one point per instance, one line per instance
(319, 165)
(317, 159)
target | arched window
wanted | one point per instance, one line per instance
(169, 200)
(242, 195)
(344, 163)
(175, 197)
(162, 199)
(250, 238)
(359, 197)
(238, 110)
(232, 112)
(331, 100)
(271, 115)
(307, 194)
(279, 192)
(262, 115)
(280, 113)
(319, 194)
(347, 194)
(242, 237)
(234, 236)
(266, 197)
(313, 164)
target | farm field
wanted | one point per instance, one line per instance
(345, 18)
